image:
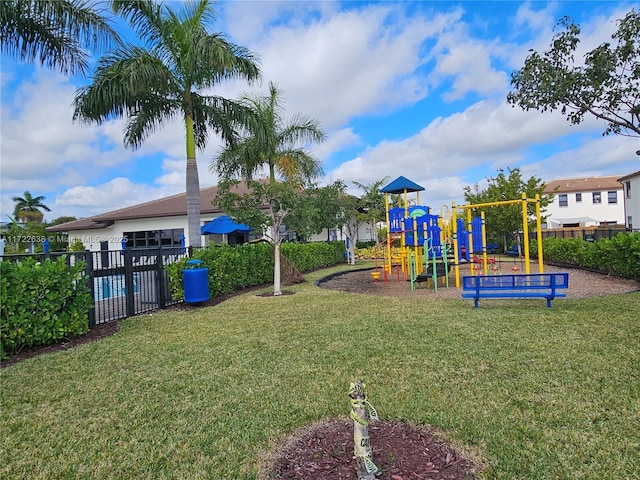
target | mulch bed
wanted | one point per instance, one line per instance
(401, 451)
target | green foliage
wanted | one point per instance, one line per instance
(503, 220)
(311, 256)
(233, 268)
(605, 85)
(371, 206)
(370, 243)
(618, 256)
(76, 245)
(42, 303)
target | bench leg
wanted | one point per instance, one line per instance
(475, 302)
(549, 302)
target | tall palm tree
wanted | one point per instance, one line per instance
(53, 33)
(152, 84)
(29, 207)
(273, 143)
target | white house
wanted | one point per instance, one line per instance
(631, 195)
(161, 222)
(585, 202)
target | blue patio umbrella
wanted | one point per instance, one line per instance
(223, 225)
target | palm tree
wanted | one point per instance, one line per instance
(28, 207)
(273, 143)
(53, 33)
(153, 84)
(371, 205)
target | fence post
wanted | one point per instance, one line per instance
(90, 277)
(128, 283)
(160, 279)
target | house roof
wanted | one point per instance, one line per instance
(631, 175)
(174, 205)
(583, 184)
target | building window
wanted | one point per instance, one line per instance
(612, 197)
(563, 200)
(578, 197)
(627, 187)
(597, 197)
(154, 238)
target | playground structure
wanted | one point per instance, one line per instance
(422, 246)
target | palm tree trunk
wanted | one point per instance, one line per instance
(192, 188)
(193, 203)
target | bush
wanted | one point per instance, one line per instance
(41, 303)
(619, 255)
(240, 266)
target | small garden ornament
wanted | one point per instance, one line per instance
(362, 451)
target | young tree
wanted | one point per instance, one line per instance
(606, 85)
(29, 208)
(277, 209)
(53, 33)
(153, 84)
(277, 144)
(504, 220)
(331, 207)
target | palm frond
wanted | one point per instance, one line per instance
(53, 33)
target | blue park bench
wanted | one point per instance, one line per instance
(534, 285)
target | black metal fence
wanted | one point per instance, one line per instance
(123, 283)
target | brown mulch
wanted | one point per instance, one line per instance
(401, 451)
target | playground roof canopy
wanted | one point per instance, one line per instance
(401, 185)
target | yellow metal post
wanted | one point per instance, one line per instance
(525, 233)
(386, 206)
(456, 263)
(539, 234)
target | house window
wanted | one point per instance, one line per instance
(154, 238)
(627, 187)
(578, 197)
(612, 197)
(597, 197)
(563, 200)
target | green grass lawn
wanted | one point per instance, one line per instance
(533, 393)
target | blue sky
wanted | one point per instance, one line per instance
(401, 88)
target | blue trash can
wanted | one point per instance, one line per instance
(196, 282)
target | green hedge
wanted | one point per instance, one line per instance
(618, 256)
(240, 266)
(41, 303)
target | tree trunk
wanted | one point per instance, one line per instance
(193, 203)
(192, 188)
(365, 468)
(276, 269)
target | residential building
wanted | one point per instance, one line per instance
(161, 222)
(585, 202)
(631, 196)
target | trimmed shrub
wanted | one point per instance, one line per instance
(41, 303)
(240, 266)
(618, 256)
